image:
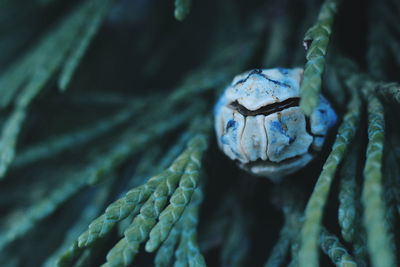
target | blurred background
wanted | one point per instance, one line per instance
(139, 55)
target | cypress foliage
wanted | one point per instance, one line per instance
(107, 151)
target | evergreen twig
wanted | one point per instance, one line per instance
(295, 227)
(125, 250)
(360, 250)
(316, 41)
(34, 69)
(181, 196)
(182, 9)
(281, 247)
(165, 253)
(236, 242)
(389, 91)
(291, 202)
(134, 140)
(308, 254)
(32, 72)
(8, 139)
(43, 209)
(122, 207)
(64, 254)
(57, 145)
(378, 238)
(188, 252)
(143, 170)
(335, 250)
(347, 195)
(95, 14)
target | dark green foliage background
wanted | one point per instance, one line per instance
(140, 56)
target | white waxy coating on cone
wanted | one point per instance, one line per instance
(318, 142)
(277, 171)
(287, 134)
(322, 118)
(270, 143)
(254, 138)
(232, 133)
(259, 88)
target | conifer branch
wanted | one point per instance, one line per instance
(59, 144)
(165, 253)
(182, 239)
(32, 72)
(360, 250)
(8, 139)
(181, 196)
(118, 210)
(34, 69)
(378, 239)
(287, 237)
(316, 41)
(236, 229)
(42, 209)
(335, 250)
(95, 13)
(182, 9)
(64, 255)
(291, 202)
(308, 254)
(145, 221)
(134, 140)
(281, 247)
(141, 226)
(347, 214)
(122, 207)
(389, 92)
(148, 199)
(188, 252)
